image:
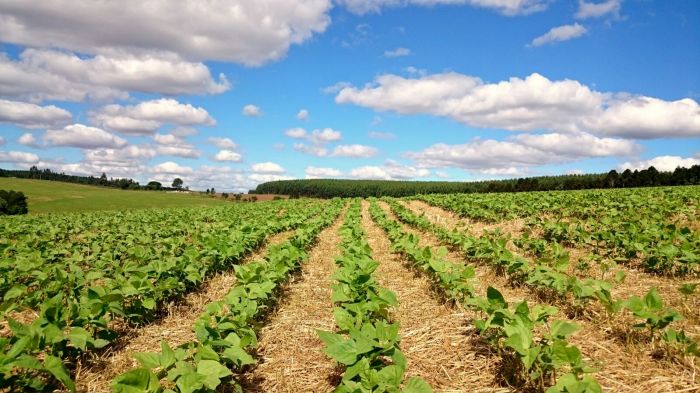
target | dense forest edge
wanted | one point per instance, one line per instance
(328, 188)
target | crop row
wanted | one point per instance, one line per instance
(549, 274)
(366, 343)
(652, 225)
(80, 305)
(542, 354)
(226, 330)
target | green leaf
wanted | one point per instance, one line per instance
(139, 380)
(149, 360)
(79, 337)
(55, 366)
(213, 371)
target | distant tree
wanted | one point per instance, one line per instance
(213, 191)
(254, 198)
(237, 197)
(154, 185)
(103, 179)
(13, 202)
(224, 195)
(177, 183)
(207, 191)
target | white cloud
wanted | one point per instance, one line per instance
(131, 155)
(252, 110)
(18, 157)
(54, 75)
(559, 34)
(314, 150)
(183, 131)
(506, 7)
(661, 163)
(318, 139)
(246, 32)
(303, 115)
(223, 143)
(442, 175)
(148, 116)
(172, 168)
(391, 170)
(263, 177)
(27, 139)
(28, 115)
(596, 10)
(335, 88)
(78, 135)
(228, 155)
(297, 133)
(267, 168)
(398, 52)
(2, 141)
(325, 135)
(533, 103)
(354, 151)
(174, 145)
(313, 172)
(387, 136)
(515, 155)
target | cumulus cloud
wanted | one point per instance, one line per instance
(391, 170)
(314, 150)
(27, 139)
(172, 168)
(175, 145)
(317, 138)
(559, 34)
(223, 143)
(228, 155)
(267, 168)
(533, 103)
(514, 155)
(148, 116)
(252, 110)
(54, 75)
(82, 136)
(28, 115)
(246, 32)
(354, 151)
(18, 157)
(661, 163)
(313, 172)
(398, 52)
(596, 10)
(505, 7)
(303, 115)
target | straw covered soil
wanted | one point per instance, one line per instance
(289, 352)
(175, 328)
(436, 337)
(626, 363)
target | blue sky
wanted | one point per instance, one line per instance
(392, 89)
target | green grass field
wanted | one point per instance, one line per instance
(52, 197)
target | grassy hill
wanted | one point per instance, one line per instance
(46, 196)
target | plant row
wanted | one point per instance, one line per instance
(39, 353)
(523, 336)
(226, 330)
(550, 274)
(366, 342)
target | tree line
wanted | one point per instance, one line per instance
(122, 183)
(328, 188)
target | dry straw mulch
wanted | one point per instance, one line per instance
(290, 354)
(623, 366)
(436, 337)
(175, 328)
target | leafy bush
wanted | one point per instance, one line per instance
(13, 202)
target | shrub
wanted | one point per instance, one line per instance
(13, 202)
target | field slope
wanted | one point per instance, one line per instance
(46, 196)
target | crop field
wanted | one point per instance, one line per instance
(571, 291)
(46, 196)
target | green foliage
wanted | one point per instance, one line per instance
(366, 344)
(12, 203)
